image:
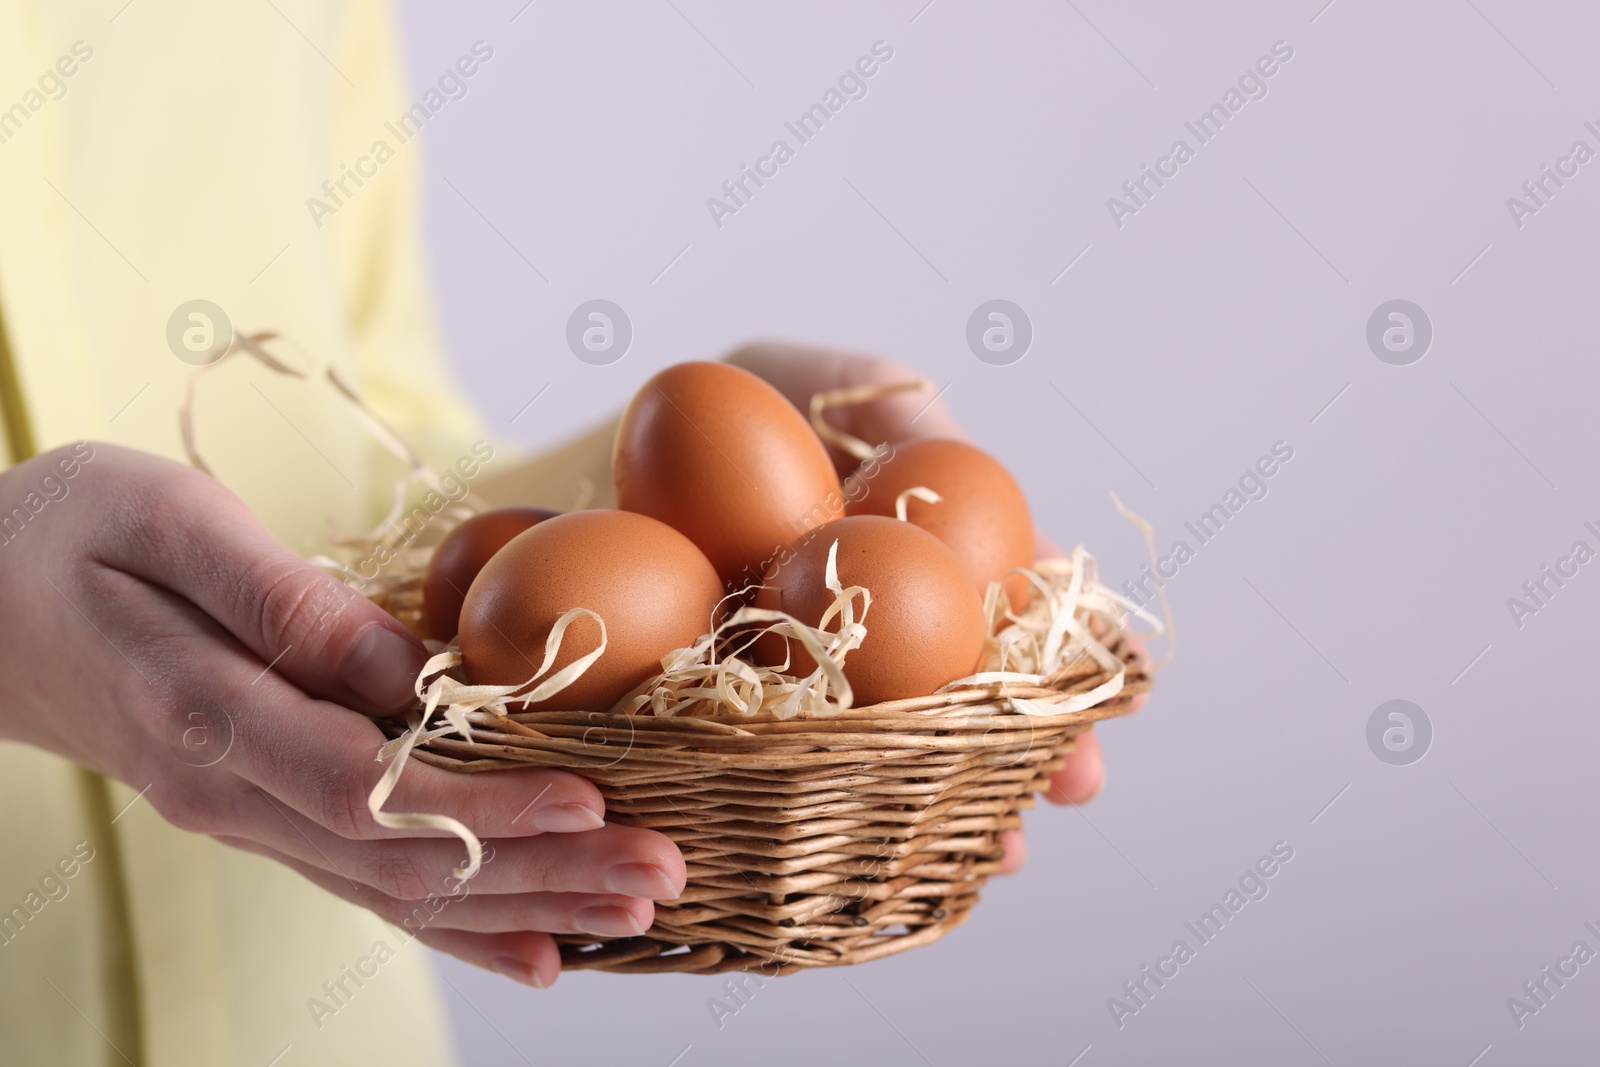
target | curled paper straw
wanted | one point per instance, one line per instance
(1161, 591)
(459, 701)
(920, 492)
(854, 394)
(257, 346)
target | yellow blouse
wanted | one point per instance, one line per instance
(153, 154)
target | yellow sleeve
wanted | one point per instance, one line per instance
(404, 376)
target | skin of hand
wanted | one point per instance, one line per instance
(799, 371)
(145, 602)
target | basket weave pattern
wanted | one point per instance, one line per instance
(810, 842)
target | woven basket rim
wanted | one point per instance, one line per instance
(978, 704)
(957, 719)
(984, 700)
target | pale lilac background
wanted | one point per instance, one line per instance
(1222, 318)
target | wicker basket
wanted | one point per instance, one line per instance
(809, 842)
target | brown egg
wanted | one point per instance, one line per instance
(721, 456)
(654, 589)
(983, 516)
(926, 625)
(460, 556)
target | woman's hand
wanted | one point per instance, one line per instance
(798, 371)
(155, 632)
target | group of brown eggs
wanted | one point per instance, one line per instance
(727, 496)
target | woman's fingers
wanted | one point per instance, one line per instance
(620, 860)
(1016, 851)
(529, 958)
(523, 954)
(594, 915)
(470, 906)
(1080, 780)
(1076, 783)
(313, 759)
(328, 773)
(196, 539)
(321, 760)
(616, 859)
